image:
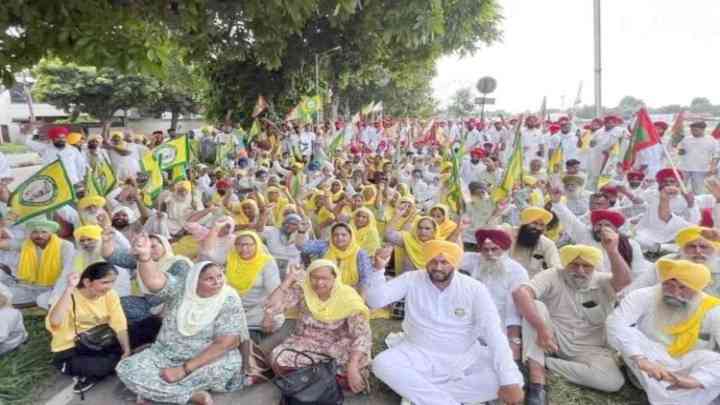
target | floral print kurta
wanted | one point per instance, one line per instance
(336, 339)
(141, 372)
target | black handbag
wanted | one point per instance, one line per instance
(311, 385)
(99, 338)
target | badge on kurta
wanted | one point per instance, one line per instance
(459, 312)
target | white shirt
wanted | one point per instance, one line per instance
(470, 172)
(69, 156)
(636, 313)
(500, 286)
(532, 140)
(699, 153)
(447, 323)
(305, 143)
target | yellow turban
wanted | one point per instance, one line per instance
(185, 184)
(530, 180)
(449, 250)
(88, 231)
(691, 234)
(532, 214)
(95, 200)
(693, 275)
(590, 254)
(74, 138)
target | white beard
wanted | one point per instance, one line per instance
(490, 269)
(666, 315)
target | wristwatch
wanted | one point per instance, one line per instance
(515, 341)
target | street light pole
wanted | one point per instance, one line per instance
(317, 74)
(598, 60)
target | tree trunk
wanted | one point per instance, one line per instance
(174, 117)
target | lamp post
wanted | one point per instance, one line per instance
(598, 58)
(317, 74)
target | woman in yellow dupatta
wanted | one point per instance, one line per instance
(402, 214)
(246, 261)
(275, 196)
(445, 226)
(366, 231)
(344, 250)
(369, 194)
(334, 320)
(246, 213)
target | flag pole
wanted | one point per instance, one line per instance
(674, 168)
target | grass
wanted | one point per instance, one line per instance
(562, 392)
(23, 370)
(10, 148)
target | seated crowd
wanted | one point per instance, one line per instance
(219, 281)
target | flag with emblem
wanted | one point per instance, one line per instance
(172, 153)
(103, 177)
(46, 190)
(154, 184)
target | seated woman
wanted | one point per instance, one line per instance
(253, 273)
(412, 242)
(88, 301)
(446, 228)
(12, 329)
(196, 350)
(333, 321)
(146, 305)
(366, 231)
(342, 249)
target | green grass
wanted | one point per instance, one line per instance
(10, 148)
(23, 370)
(562, 392)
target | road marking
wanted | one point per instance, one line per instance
(63, 397)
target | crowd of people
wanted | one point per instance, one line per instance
(302, 235)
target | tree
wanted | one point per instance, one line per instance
(179, 92)
(462, 103)
(100, 93)
(701, 105)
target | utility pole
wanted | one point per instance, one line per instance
(598, 59)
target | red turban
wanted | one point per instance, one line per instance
(706, 218)
(554, 129)
(223, 184)
(497, 236)
(634, 175)
(596, 121)
(666, 174)
(607, 189)
(661, 124)
(613, 217)
(563, 119)
(57, 133)
(612, 119)
(477, 153)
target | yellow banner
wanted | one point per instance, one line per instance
(46, 190)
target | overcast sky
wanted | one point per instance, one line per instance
(662, 51)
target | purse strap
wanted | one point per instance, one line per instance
(72, 297)
(306, 354)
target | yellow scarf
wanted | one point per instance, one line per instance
(369, 200)
(240, 217)
(280, 205)
(241, 274)
(343, 302)
(368, 237)
(414, 248)
(445, 229)
(47, 270)
(687, 333)
(346, 260)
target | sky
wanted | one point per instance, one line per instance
(661, 51)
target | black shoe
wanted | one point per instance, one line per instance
(536, 394)
(83, 385)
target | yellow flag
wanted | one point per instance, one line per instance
(104, 178)
(155, 179)
(514, 170)
(46, 190)
(172, 153)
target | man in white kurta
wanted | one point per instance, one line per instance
(650, 326)
(699, 155)
(501, 275)
(454, 350)
(667, 211)
(70, 156)
(564, 312)
(696, 244)
(601, 145)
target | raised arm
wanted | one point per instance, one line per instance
(152, 278)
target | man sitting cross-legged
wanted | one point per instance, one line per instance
(441, 360)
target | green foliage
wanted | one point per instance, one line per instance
(179, 92)
(98, 92)
(462, 103)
